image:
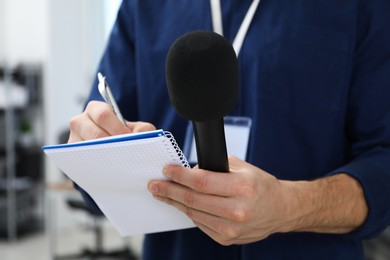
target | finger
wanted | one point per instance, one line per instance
(205, 219)
(74, 137)
(140, 126)
(103, 116)
(189, 213)
(221, 184)
(192, 200)
(83, 128)
(221, 230)
(224, 231)
(217, 228)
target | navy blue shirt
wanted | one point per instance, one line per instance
(314, 78)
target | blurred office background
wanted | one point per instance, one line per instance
(49, 50)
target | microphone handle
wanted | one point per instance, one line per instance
(211, 145)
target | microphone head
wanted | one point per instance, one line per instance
(202, 76)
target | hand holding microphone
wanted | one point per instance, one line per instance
(236, 208)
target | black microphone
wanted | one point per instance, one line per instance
(202, 79)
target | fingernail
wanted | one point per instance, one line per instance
(153, 188)
(166, 172)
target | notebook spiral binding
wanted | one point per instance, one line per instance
(177, 150)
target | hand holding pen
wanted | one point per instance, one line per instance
(90, 125)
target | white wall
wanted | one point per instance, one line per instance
(77, 36)
(24, 35)
(67, 37)
(2, 31)
(75, 45)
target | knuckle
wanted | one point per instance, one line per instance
(239, 215)
(201, 183)
(229, 234)
(74, 122)
(91, 105)
(102, 116)
(189, 199)
(98, 111)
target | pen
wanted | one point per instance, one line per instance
(106, 93)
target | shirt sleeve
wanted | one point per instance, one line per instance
(368, 116)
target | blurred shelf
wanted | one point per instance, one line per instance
(21, 160)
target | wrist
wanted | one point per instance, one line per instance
(296, 208)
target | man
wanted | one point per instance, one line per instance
(314, 80)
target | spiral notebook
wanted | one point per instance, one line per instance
(115, 171)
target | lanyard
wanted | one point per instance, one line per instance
(216, 14)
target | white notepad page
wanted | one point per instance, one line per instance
(115, 173)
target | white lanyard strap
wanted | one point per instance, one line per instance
(216, 14)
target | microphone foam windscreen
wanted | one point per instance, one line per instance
(202, 76)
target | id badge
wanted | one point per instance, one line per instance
(237, 131)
